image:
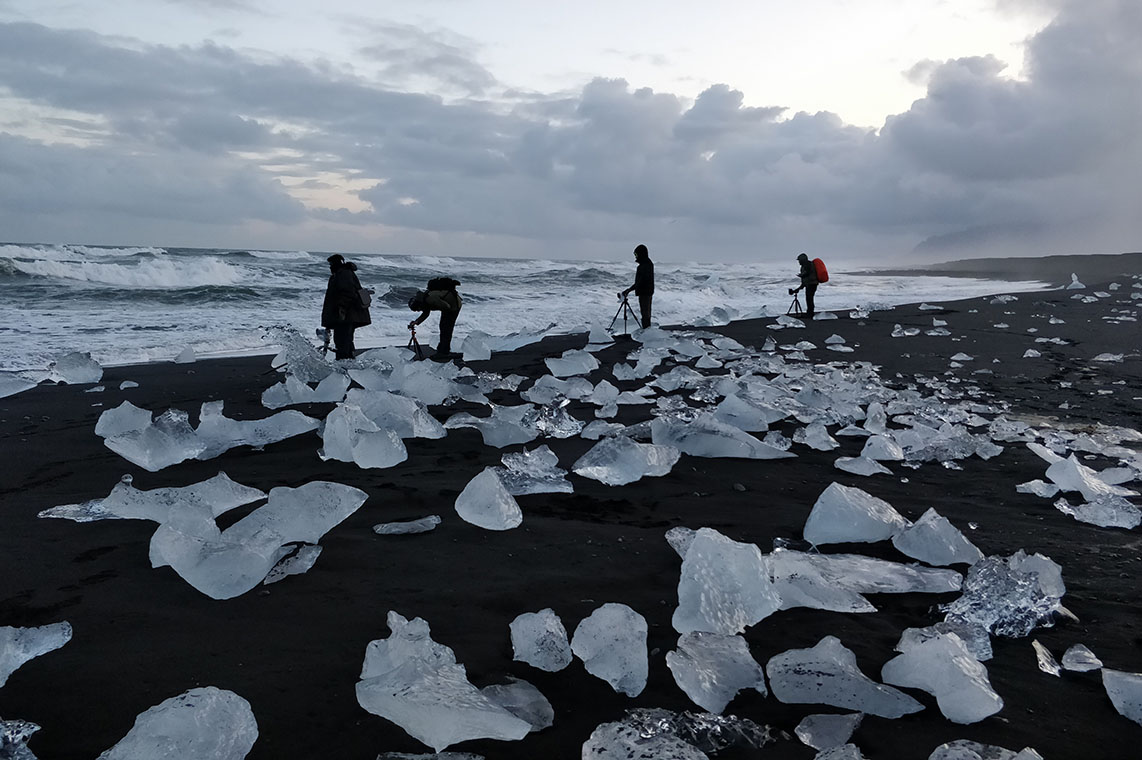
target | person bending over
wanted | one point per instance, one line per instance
(809, 282)
(643, 283)
(343, 311)
(441, 296)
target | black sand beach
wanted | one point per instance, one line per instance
(294, 649)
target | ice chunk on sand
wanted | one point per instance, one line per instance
(618, 460)
(934, 540)
(1105, 510)
(522, 700)
(843, 752)
(843, 514)
(724, 586)
(1080, 659)
(1038, 488)
(405, 416)
(680, 539)
(623, 741)
(573, 362)
(416, 683)
(943, 667)
(815, 436)
(185, 356)
(1009, 596)
(217, 495)
(963, 749)
(219, 433)
(1125, 692)
(506, 425)
(828, 674)
(1031, 354)
(825, 731)
(548, 388)
(485, 502)
(863, 575)
(475, 347)
(350, 436)
(704, 436)
(656, 734)
(14, 736)
(611, 642)
(297, 563)
(535, 471)
(207, 723)
(168, 440)
(712, 669)
(600, 429)
(293, 391)
(744, 415)
(18, 645)
(975, 637)
(540, 640)
(224, 564)
(1074, 283)
(882, 448)
(899, 331)
(1072, 475)
(407, 527)
(123, 419)
(800, 582)
(861, 466)
(75, 368)
(553, 420)
(1045, 659)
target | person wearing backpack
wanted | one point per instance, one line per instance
(440, 296)
(344, 308)
(809, 282)
(643, 283)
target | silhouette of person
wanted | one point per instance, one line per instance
(343, 311)
(441, 296)
(643, 283)
(809, 282)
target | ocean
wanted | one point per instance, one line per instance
(130, 305)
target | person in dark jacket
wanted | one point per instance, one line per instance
(643, 283)
(809, 282)
(343, 310)
(441, 296)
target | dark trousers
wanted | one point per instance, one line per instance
(644, 307)
(810, 291)
(343, 341)
(447, 324)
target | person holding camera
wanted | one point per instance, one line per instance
(809, 282)
(643, 283)
(344, 308)
(440, 296)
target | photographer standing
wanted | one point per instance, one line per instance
(643, 283)
(809, 282)
(343, 309)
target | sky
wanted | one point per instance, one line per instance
(726, 130)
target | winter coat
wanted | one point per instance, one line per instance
(644, 278)
(808, 273)
(342, 305)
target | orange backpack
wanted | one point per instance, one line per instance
(822, 273)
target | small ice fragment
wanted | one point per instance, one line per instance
(943, 667)
(815, 436)
(573, 362)
(128, 384)
(475, 347)
(899, 331)
(843, 752)
(1125, 692)
(801, 582)
(1031, 354)
(1009, 596)
(1072, 475)
(930, 307)
(962, 357)
(293, 391)
(10, 385)
(1001, 325)
(123, 419)
(834, 340)
(298, 563)
(842, 514)
(1106, 511)
(825, 731)
(724, 586)
(1074, 283)
(216, 495)
(680, 539)
(975, 637)
(883, 449)
(18, 645)
(218, 433)
(712, 669)
(204, 723)
(1046, 660)
(350, 436)
(599, 429)
(828, 674)
(522, 700)
(934, 540)
(611, 642)
(186, 356)
(622, 741)
(485, 502)
(704, 436)
(407, 527)
(168, 440)
(963, 749)
(618, 460)
(1038, 488)
(1080, 659)
(75, 368)
(14, 736)
(861, 466)
(535, 471)
(540, 640)
(1107, 357)
(505, 426)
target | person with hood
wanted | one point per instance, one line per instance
(643, 283)
(809, 282)
(441, 296)
(344, 309)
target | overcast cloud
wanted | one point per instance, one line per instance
(114, 140)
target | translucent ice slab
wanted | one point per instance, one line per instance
(535, 471)
(18, 645)
(349, 435)
(75, 368)
(704, 436)
(943, 667)
(934, 540)
(407, 417)
(619, 460)
(216, 495)
(611, 642)
(843, 514)
(712, 669)
(724, 586)
(1009, 596)
(207, 723)
(485, 502)
(293, 391)
(540, 640)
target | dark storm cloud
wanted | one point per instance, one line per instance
(982, 163)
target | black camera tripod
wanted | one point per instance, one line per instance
(627, 311)
(795, 307)
(414, 344)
